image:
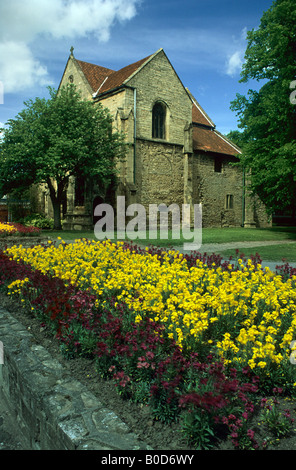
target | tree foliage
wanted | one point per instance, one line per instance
(268, 117)
(53, 139)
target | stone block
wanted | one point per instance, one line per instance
(53, 411)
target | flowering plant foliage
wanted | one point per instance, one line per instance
(8, 229)
(195, 340)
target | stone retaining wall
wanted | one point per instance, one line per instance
(52, 410)
(24, 241)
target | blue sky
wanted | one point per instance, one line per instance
(205, 41)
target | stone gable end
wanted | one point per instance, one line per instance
(73, 74)
(158, 81)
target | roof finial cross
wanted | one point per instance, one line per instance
(72, 50)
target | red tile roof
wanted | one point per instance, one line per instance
(118, 78)
(94, 74)
(199, 116)
(102, 79)
(210, 140)
(205, 137)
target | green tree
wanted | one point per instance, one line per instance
(53, 139)
(268, 117)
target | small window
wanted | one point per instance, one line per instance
(218, 165)
(158, 121)
(229, 201)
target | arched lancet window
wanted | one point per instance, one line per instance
(158, 121)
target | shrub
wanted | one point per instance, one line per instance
(38, 220)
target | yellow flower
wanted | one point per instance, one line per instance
(261, 364)
(247, 315)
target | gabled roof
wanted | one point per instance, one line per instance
(205, 136)
(210, 140)
(199, 116)
(94, 74)
(103, 80)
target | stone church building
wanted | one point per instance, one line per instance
(175, 153)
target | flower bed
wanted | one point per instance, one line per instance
(194, 338)
(14, 229)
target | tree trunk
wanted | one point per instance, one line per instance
(56, 199)
(57, 223)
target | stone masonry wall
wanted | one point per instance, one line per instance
(52, 410)
(79, 80)
(211, 189)
(159, 173)
(121, 107)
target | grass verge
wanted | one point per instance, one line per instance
(285, 252)
(209, 235)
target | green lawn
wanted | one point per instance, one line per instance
(209, 235)
(239, 234)
(285, 252)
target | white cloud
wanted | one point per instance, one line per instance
(1, 133)
(236, 58)
(23, 23)
(234, 63)
(62, 18)
(18, 68)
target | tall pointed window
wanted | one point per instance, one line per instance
(158, 121)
